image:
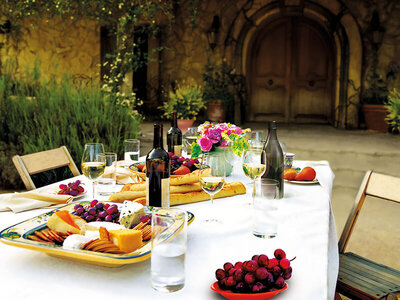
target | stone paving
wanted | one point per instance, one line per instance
(350, 153)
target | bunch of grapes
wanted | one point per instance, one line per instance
(97, 211)
(258, 275)
(177, 161)
(73, 188)
(146, 219)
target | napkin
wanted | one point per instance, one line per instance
(18, 202)
(123, 176)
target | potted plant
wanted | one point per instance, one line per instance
(393, 108)
(218, 91)
(186, 100)
(375, 97)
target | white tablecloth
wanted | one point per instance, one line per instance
(306, 230)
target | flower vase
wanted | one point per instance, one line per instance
(229, 158)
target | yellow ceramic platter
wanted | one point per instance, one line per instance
(17, 234)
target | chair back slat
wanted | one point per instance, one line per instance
(384, 186)
(45, 160)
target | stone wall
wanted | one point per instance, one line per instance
(190, 49)
(74, 46)
(60, 46)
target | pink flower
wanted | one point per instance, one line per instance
(224, 143)
(222, 127)
(236, 129)
(205, 144)
(214, 134)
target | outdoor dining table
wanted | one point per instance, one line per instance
(306, 230)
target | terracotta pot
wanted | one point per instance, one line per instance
(216, 111)
(183, 124)
(374, 116)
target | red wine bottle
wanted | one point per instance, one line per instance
(157, 171)
(275, 160)
(174, 137)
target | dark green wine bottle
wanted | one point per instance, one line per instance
(275, 160)
(174, 137)
(157, 171)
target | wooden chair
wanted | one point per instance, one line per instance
(360, 278)
(35, 163)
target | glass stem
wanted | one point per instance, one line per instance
(94, 185)
(212, 199)
(254, 190)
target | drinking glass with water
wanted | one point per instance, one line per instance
(106, 183)
(169, 238)
(132, 151)
(265, 209)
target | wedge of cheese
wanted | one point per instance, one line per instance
(130, 213)
(128, 240)
(63, 221)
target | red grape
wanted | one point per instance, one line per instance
(279, 254)
(220, 274)
(228, 266)
(284, 263)
(238, 275)
(238, 265)
(93, 203)
(272, 263)
(261, 273)
(230, 282)
(280, 283)
(249, 278)
(263, 260)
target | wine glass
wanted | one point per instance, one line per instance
(93, 162)
(212, 176)
(254, 165)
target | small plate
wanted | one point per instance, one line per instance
(17, 234)
(315, 181)
(238, 296)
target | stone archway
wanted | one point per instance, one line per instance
(335, 20)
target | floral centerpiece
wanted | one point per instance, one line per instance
(220, 135)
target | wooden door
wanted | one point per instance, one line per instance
(291, 73)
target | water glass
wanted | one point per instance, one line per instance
(265, 206)
(132, 151)
(289, 158)
(190, 136)
(168, 242)
(106, 183)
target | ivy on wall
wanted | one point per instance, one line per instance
(124, 18)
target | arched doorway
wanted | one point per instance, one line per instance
(291, 72)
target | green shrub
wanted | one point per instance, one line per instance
(393, 107)
(37, 115)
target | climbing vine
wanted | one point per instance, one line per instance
(124, 18)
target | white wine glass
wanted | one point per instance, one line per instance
(254, 165)
(212, 177)
(93, 162)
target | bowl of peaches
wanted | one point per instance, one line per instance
(307, 175)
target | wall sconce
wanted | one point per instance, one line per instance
(212, 33)
(377, 31)
(5, 27)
